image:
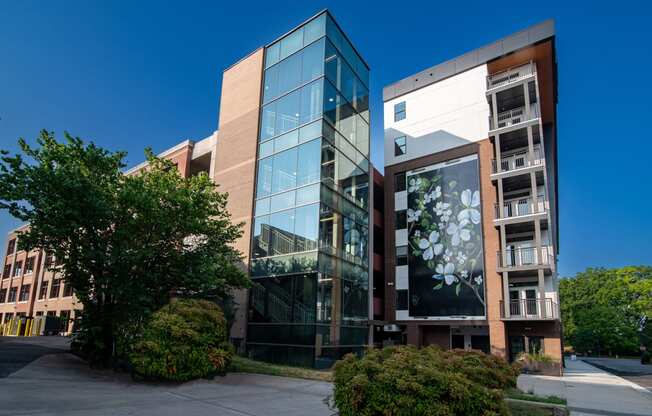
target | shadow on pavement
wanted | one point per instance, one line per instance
(17, 352)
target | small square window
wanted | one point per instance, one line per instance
(401, 219)
(400, 184)
(399, 146)
(399, 111)
(401, 256)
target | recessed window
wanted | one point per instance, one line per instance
(12, 294)
(18, 268)
(3, 295)
(7, 271)
(29, 265)
(399, 182)
(24, 293)
(401, 219)
(67, 290)
(54, 289)
(399, 146)
(402, 299)
(44, 290)
(399, 111)
(401, 256)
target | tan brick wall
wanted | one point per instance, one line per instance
(235, 165)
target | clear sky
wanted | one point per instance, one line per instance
(133, 74)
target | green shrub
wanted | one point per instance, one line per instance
(646, 358)
(184, 340)
(409, 381)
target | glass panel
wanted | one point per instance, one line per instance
(347, 82)
(285, 171)
(272, 54)
(262, 207)
(362, 136)
(265, 149)
(268, 121)
(314, 29)
(286, 141)
(330, 103)
(310, 162)
(307, 227)
(311, 101)
(313, 61)
(261, 237)
(287, 116)
(308, 194)
(282, 201)
(270, 86)
(325, 301)
(282, 232)
(264, 185)
(310, 131)
(289, 73)
(291, 43)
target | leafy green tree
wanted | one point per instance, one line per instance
(123, 242)
(607, 310)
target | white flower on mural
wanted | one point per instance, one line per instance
(445, 273)
(414, 184)
(478, 280)
(413, 215)
(429, 197)
(470, 201)
(458, 233)
(443, 211)
(431, 247)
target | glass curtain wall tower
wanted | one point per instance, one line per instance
(310, 237)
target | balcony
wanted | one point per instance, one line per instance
(519, 160)
(510, 76)
(529, 310)
(514, 116)
(525, 258)
(520, 207)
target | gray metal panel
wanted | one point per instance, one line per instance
(511, 43)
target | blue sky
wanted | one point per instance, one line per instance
(133, 74)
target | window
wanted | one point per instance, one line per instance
(306, 227)
(39, 313)
(11, 246)
(399, 146)
(24, 293)
(401, 256)
(3, 295)
(399, 111)
(7, 271)
(52, 313)
(67, 290)
(401, 219)
(29, 265)
(12, 295)
(54, 290)
(535, 345)
(399, 182)
(44, 290)
(49, 260)
(402, 299)
(309, 165)
(8, 317)
(18, 268)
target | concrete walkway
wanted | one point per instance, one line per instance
(591, 391)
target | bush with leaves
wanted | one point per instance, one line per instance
(409, 381)
(186, 339)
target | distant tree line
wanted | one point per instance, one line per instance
(608, 311)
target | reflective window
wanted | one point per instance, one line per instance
(399, 111)
(289, 73)
(309, 162)
(311, 131)
(282, 201)
(312, 61)
(262, 207)
(311, 101)
(308, 194)
(265, 149)
(264, 185)
(282, 232)
(291, 43)
(272, 54)
(284, 171)
(315, 29)
(270, 85)
(287, 112)
(268, 121)
(307, 227)
(286, 141)
(399, 146)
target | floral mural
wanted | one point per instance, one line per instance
(446, 268)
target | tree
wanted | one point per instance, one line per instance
(607, 310)
(124, 242)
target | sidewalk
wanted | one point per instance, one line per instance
(591, 391)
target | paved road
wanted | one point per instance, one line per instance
(591, 391)
(62, 384)
(17, 352)
(626, 368)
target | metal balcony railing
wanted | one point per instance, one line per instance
(510, 76)
(520, 206)
(525, 256)
(518, 160)
(529, 309)
(514, 116)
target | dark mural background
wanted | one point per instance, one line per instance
(445, 254)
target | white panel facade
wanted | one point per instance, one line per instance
(441, 116)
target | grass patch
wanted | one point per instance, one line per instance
(519, 395)
(245, 365)
(524, 409)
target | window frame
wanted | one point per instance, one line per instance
(400, 149)
(400, 113)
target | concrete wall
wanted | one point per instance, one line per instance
(441, 116)
(236, 149)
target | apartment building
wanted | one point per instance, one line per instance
(471, 179)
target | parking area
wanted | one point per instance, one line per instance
(627, 368)
(59, 383)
